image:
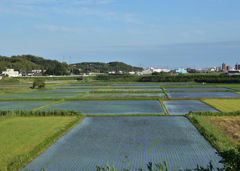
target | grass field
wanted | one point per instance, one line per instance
(228, 126)
(221, 131)
(21, 135)
(224, 105)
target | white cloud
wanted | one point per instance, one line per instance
(130, 18)
(200, 32)
(185, 35)
(54, 28)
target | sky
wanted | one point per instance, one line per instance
(158, 33)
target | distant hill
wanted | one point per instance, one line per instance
(26, 63)
(31, 62)
(105, 67)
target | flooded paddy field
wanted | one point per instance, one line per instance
(203, 94)
(121, 95)
(180, 107)
(120, 141)
(198, 89)
(111, 107)
(22, 105)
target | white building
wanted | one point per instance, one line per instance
(159, 70)
(11, 73)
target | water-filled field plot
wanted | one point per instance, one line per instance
(124, 141)
(23, 105)
(81, 84)
(197, 89)
(121, 95)
(63, 90)
(129, 89)
(79, 87)
(180, 107)
(203, 94)
(176, 85)
(134, 86)
(40, 95)
(203, 85)
(111, 107)
(138, 84)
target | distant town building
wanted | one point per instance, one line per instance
(146, 71)
(189, 69)
(233, 72)
(131, 73)
(181, 70)
(158, 70)
(111, 72)
(38, 71)
(224, 66)
(237, 67)
(228, 68)
(11, 73)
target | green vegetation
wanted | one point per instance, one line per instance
(39, 83)
(24, 138)
(104, 67)
(118, 78)
(210, 131)
(224, 105)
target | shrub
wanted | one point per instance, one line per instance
(39, 83)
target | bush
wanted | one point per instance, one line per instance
(39, 83)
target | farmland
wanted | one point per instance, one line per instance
(150, 139)
(123, 119)
(21, 135)
(180, 107)
(224, 105)
(111, 107)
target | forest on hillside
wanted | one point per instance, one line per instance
(105, 67)
(26, 63)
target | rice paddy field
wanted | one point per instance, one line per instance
(39, 96)
(129, 89)
(197, 89)
(124, 141)
(63, 90)
(180, 107)
(22, 105)
(21, 135)
(203, 94)
(224, 105)
(111, 107)
(127, 124)
(121, 95)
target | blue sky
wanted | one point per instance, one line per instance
(157, 33)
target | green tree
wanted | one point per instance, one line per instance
(39, 83)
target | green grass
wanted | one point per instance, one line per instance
(224, 105)
(23, 138)
(210, 132)
(228, 85)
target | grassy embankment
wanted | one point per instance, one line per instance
(221, 129)
(24, 138)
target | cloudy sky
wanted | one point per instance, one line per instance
(157, 33)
